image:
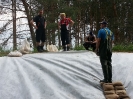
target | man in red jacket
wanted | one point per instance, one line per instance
(64, 26)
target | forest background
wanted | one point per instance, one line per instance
(85, 13)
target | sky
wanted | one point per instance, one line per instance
(21, 24)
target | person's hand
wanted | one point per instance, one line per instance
(35, 27)
(91, 42)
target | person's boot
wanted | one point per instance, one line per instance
(86, 46)
(103, 81)
(68, 48)
(39, 49)
(64, 48)
(110, 81)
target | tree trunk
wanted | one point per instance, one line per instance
(29, 19)
(14, 24)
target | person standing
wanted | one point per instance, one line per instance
(40, 27)
(64, 26)
(104, 50)
(90, 41)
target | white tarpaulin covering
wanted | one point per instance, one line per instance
(61, 75)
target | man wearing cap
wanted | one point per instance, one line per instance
(104, 50)
(90, 41)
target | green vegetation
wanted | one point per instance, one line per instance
(3, 53)
(81, 47)
(118, 14)
(34, 50)
(123, 48)
(116, 48)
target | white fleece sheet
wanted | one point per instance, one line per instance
(61, 75)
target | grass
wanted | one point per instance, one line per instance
(81, 47)
(123, 48)
(34, 50)
(4, 53)
(116, 48)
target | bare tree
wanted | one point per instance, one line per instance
(26, 5)
(14, 24)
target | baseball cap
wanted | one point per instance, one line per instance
(103, 22)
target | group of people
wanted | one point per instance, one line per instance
(40, 26)
(101, 45)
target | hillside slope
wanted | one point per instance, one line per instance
(61, 75)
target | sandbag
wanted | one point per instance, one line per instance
(120, 92)
(117, 84)
(108, 87)
(112, 96)
(119, 88)
(108, 83)
(109, 92)
(25, 47)
(52, 48)
(124, 97)
(15, 54)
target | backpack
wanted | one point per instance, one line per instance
(109, 39)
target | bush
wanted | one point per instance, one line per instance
(81, 47)
(3, 52)
(123, 48)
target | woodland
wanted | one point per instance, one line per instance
(85, 13)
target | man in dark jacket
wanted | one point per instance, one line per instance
(104, 49)
(40, 27)
(90, 41)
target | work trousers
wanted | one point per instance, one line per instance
(88, 45)
(107, 66)
(65, 37)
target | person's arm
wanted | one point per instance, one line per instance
(97, 46)
(59, 25)
(71, 22)
(86, 40)
(32, 23)
(45, 25)
(95, 40)
(98, 43)
(113, 40)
